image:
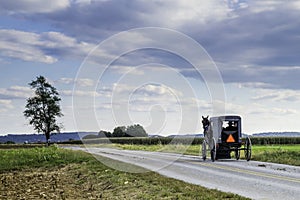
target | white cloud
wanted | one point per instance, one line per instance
(57, 40)
(85, 82)
(281, 111)
(15, 92)
(159, 90)
(258, 6)
(5, 105)
(142, 98)
(82, 17)
(277, 95)
(266, 5)
(176, 13)
(266, 111)
(264, 77)
(145, 90)
(294, 4)
(80, 93)
(82, 82)
(234, 32)
(44, 47)
(254, 109)
(127, 70)
(22, 45)
(255, 85)
(66, 80)
(33, 6)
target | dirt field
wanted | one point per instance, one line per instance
(69, 181)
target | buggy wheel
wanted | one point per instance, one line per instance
(237, 154)
(204, 150)
(248, 147)
(213, 151)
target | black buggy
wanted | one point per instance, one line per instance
(223, 135)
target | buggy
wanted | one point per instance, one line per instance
(223, 135)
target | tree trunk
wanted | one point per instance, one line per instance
(48, 138)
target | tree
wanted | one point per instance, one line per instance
(104, 134)
(136, 130)
(119, 131)
(43, 108)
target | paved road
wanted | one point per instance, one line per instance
(257, 180)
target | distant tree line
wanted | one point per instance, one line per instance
(135, 130)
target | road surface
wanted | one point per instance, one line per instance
(256, 180)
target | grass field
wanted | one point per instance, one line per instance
(284, 154)
(54, 173)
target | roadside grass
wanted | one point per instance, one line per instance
(283, 154)
(54, 173)
(22, 158)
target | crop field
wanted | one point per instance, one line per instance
(182, 140)
(55, 173)
(283, 154)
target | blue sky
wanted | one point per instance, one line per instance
(161, 64)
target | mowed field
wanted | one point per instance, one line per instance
(55, 173)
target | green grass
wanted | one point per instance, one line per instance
(21, 158)
(78, 175)
(67, 174)
(284, 154)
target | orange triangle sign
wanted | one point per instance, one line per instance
(230, 139)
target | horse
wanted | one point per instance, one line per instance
(205, 124)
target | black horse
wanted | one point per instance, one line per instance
(205, 124)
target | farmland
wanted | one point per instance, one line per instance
(55, 173)
(184, 140)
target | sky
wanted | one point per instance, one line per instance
(161, 64)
